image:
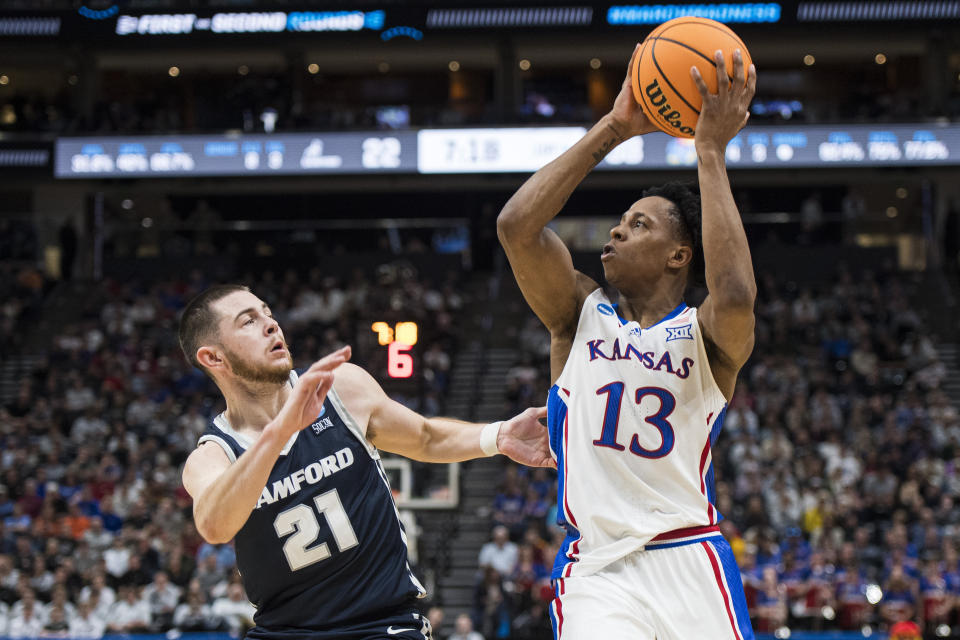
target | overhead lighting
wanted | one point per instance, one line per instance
(453, 65)
(892, 212)
(880, 58)
(313, 68)
(595, 63)
(383, 67)
(243, 69)
(524, 65)
(809, 60)
(4, 80)
(173, 71)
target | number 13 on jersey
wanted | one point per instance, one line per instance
(611, 419)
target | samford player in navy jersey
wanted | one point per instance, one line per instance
(641, 382)
(291, 471)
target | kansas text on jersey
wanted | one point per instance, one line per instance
(632, 420)
(324, 546)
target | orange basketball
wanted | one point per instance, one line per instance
(660, 74)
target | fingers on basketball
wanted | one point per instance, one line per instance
(752, 81)
(723, 79)
(698, 80)
(670, 92)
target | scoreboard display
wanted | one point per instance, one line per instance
(491, 150)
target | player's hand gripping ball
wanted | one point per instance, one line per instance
(660, 73)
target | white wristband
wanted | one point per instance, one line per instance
(488, 438)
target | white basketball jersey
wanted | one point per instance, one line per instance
(632, 421)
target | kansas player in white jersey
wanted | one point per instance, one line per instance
(641, 382)
(291, 471)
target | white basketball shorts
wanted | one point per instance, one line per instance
(684, 585)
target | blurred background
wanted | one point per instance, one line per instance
(348, 161)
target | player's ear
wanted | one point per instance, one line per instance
(681, 257)
(210, 358)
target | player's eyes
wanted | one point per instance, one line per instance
(248, 321)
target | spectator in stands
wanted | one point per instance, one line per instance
(179, 566)
(530, 578)
(130, 613)
(99, 595)
(208, 574)
(41, 580)
(224, 553)
(18, 521)
(533, 623)
(937, 599)
(195, 615)
(117, 558)
(492, 607)
(90, 426)
(235, 608)
(899, 597)
(59, 599)
(162, 598)
(96, 536)
(500, 554)
(56, 625)
(463, 629)
(435, 615)
(508, 506)
(6, 505)
(27, 617)
(771, 602)
(86, 624)
(75, 523)
(136, 574)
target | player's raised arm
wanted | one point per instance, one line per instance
(225, 494)
(539, 259)
(726, 316)
(392, 427)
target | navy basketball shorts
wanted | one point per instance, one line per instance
(406, 624)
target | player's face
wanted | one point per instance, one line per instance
(642, 244)
(251, 340)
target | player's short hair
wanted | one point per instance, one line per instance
(687, 216)
(198, 322)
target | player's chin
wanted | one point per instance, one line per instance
(610, 272)
(280, 364)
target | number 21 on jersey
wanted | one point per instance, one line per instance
(611, 419)
(302, 522)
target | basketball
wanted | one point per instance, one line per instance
(660, 73)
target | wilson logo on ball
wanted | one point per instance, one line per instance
(670, 115)
(660, 72)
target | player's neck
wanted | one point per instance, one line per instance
(648, 306)
(251, 406)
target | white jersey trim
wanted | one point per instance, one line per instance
(227, 449)
(351, 423)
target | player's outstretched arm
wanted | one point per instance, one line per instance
(225, 494)
(539, 259)
(392, 427)
(726, 316)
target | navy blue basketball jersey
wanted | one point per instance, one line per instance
(324, 546)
